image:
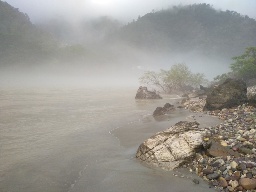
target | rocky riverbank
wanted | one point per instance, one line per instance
(225, 154)
(228, 162)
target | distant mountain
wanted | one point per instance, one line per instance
(197, 27)
(20, 40)
(181, 29)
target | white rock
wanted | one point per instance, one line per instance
(233, 164)
(169, 148)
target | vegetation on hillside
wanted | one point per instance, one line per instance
(180, 29)
(197, 27)
(20, 40)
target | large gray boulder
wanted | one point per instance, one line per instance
(229, 94)
(172, 147)
(144, 93)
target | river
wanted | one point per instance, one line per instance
(82, 140)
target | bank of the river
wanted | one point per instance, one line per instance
(230, 164)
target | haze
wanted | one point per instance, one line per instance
(124, 10)
(73, 22)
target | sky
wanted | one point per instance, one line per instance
(123, 10)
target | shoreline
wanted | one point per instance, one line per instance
(216, 122)
(233, 165)
(132, 135)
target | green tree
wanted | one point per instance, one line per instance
(178, 78)
(245, 65)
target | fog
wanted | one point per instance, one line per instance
(119, 64)
(124, 10)
(123, 70)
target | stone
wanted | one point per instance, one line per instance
(218, 163)
(217, 150)
(159, 111)
(233, 184)
(207, 171)
(213, 176)
(247, 183)
(233, 164)
(224, 143)
(222, 182)
(229, 94)
(245, 150)
(230, 188)
(163, 110)
(196, 181)
(249, 175)
(241, 166)
(170, 148)
(144, 93)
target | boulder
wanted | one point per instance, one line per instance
(170, 148)
(163, 110)
(144, 93)
(217, 150)
(229, 94)
(247, 183)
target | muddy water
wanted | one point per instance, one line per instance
(82, 140)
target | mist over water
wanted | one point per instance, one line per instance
(123, 69)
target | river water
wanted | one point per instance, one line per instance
(82, 140)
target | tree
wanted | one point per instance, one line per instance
(152, 78)
(178, 78)
(245, 65)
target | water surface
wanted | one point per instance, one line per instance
(74, 140)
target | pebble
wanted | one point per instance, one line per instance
(196, 181)
(223, 183)
(248, 183)
(231, 165)
(213, 176)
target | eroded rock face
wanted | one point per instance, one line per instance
(170, 148)
(144, 93)
(229, 94)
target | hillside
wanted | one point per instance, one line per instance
(20, 40)
(197, 27)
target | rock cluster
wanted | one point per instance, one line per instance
(229, 159)
(144, 93)
(172, 147)
(223, 155)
